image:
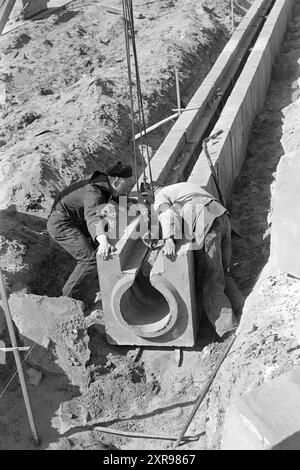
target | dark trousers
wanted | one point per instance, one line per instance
(79, 245)
(221, 298)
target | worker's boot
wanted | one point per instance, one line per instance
(234, 294)
(218, 310)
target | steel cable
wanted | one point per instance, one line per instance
(139, 92)
(127, 44)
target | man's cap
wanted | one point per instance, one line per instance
(120, 171)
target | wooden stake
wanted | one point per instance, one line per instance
(17, 359)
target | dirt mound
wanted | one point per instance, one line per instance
(66, 82)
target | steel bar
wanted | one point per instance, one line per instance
(116, 432)
(184, 109)
(204, 392)
(16, 353)
(155, 126)
(232, 15)
(14, 349)
(178, 91)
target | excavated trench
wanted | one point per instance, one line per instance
(142, 307)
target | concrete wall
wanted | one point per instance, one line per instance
(285, 237)
(262, 420)
(188, 123)
(245, 102)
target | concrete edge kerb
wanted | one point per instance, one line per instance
(247, 99)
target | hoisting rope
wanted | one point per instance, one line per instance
(130, 90)
(130, 34)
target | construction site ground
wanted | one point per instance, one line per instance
(65, 113)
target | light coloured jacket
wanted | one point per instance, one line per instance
(185, 209)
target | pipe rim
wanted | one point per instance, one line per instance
(155, 329)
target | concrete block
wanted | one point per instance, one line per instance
(33, 7)
(267, 418)
(153, 304)
(285, 235)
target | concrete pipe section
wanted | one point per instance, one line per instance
(150, 312)
(151, 306)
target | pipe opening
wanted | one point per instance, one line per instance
(144, 307)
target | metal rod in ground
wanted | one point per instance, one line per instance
(135, 435)
(155, 126)
(204, 392)
(16, 353)
(178, 91)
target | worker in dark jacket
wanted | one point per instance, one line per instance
(77, 225)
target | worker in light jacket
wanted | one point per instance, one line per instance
(77, 225)
(186, 210)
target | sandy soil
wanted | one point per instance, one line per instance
(83, 99)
